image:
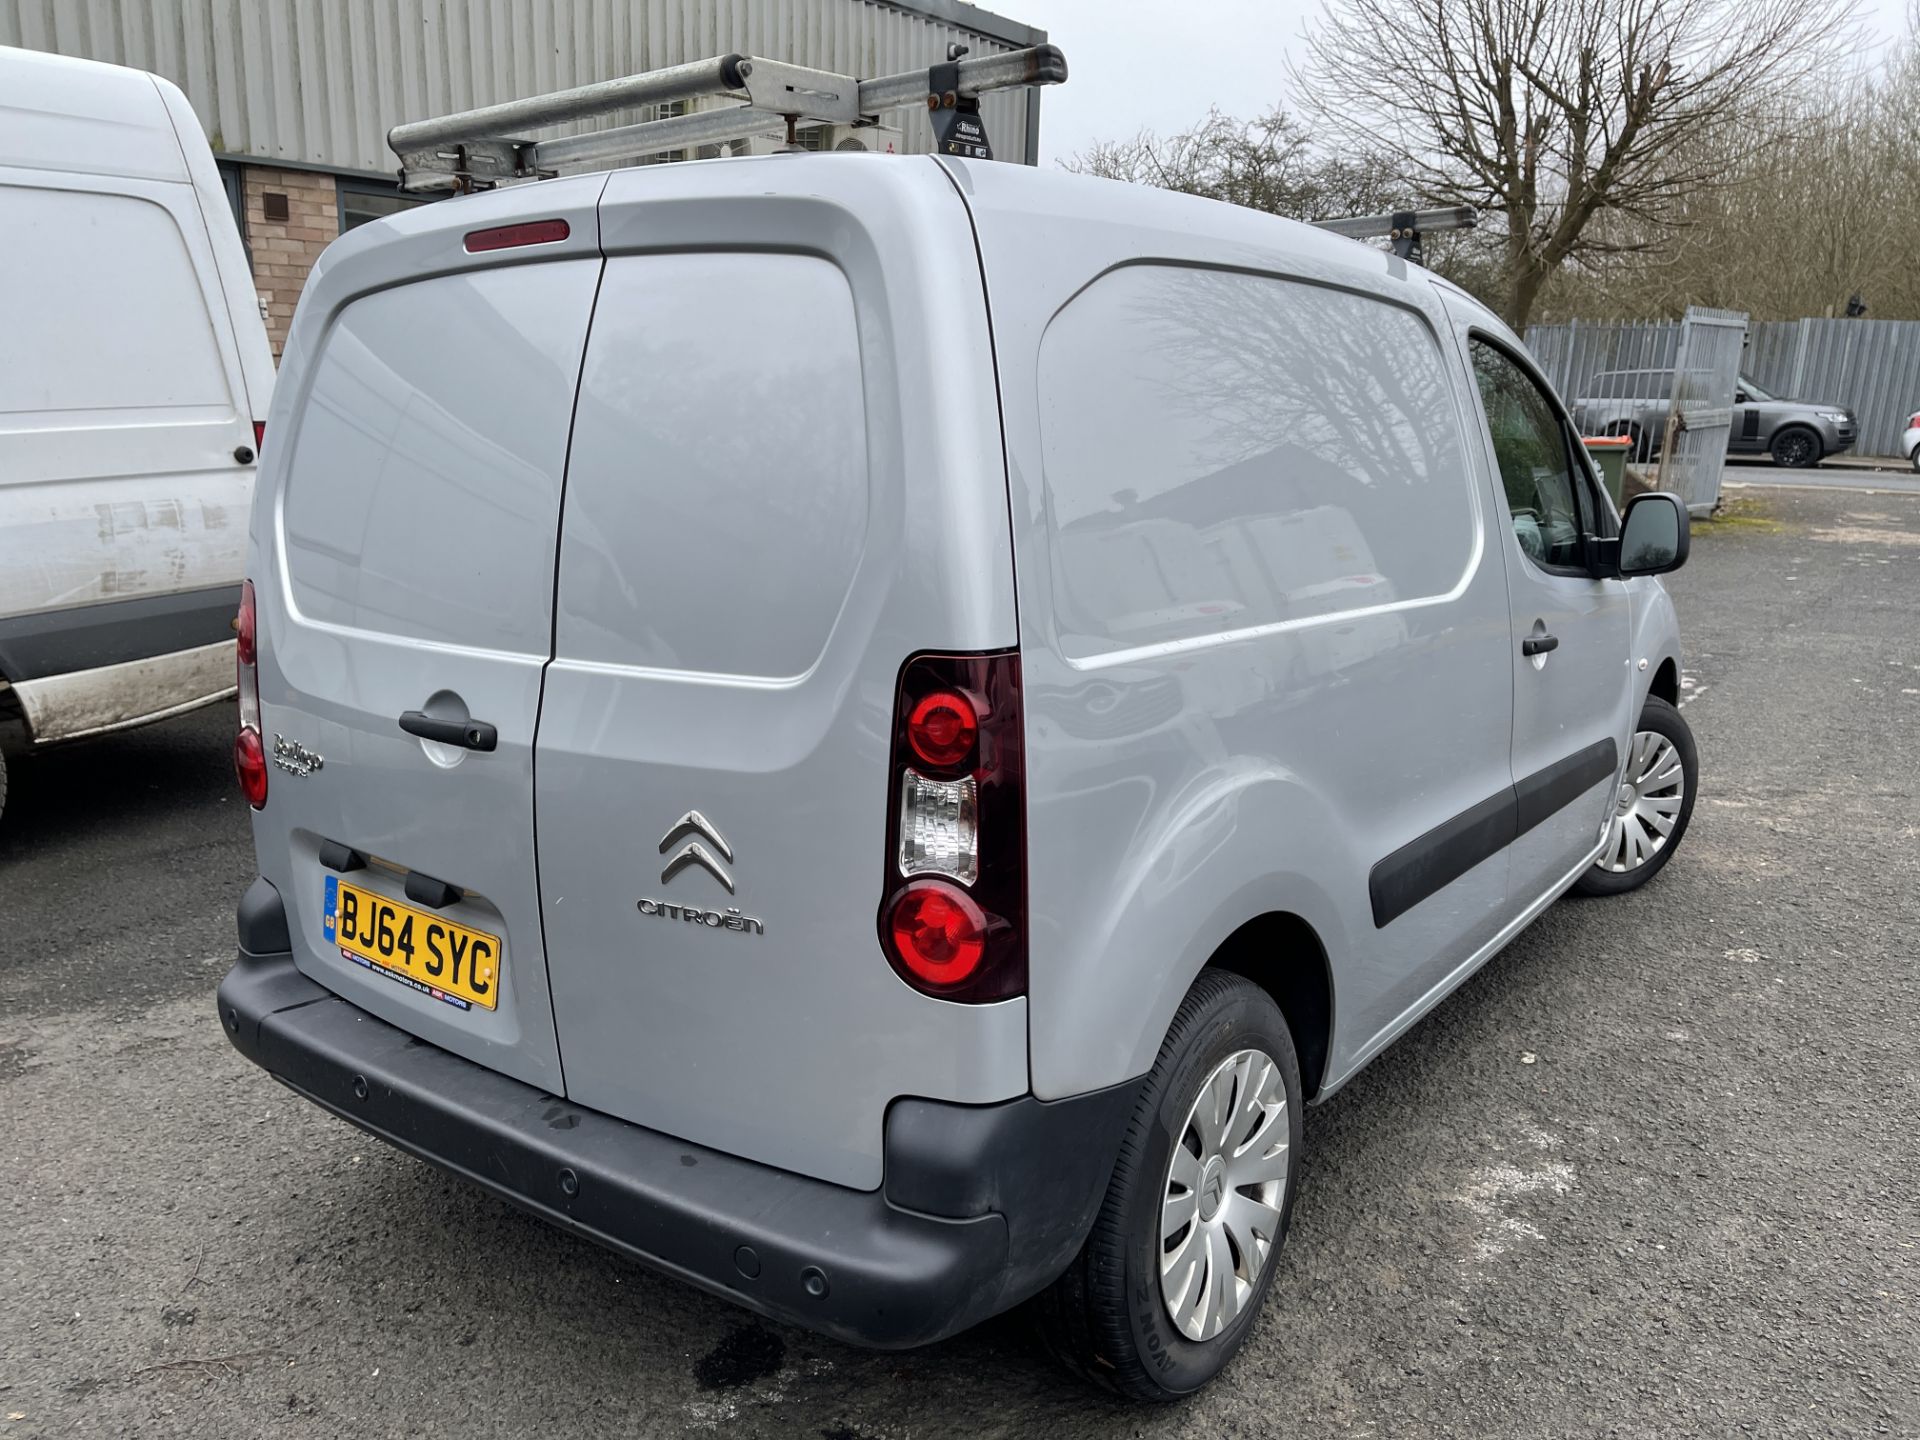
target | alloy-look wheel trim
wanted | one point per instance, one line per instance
(1648, 804)
(1220, 1207)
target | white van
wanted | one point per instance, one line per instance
(134, 374)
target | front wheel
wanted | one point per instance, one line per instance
(1166, 1288)
(1916, 459)
(1652, 806)
(1796, 449)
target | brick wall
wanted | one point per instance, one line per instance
(284, 250)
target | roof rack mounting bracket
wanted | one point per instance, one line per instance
(1403, 227)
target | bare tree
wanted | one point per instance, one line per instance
(1548, 113)
(1267, 164)
(1798, 228)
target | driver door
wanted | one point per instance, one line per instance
(1571, 633)
(1745, 434)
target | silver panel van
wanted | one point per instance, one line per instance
(869, 730)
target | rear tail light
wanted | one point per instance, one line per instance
(249, 750)
(938, 934)
(259, 435)
(1913, 422)
(953, 909)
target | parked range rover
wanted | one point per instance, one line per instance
(1795, 433)
(868, 731)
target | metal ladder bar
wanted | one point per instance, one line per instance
(477, 143)
(1377, 227)
(718, 76)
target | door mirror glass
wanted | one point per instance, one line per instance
(1654, 534)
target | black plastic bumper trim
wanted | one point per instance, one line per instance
(858, 1265)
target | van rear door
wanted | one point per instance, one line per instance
(775, 497)
(408, 516)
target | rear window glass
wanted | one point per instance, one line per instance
(1225, 451)
(424, 488)
(101, 308)
(717, 494)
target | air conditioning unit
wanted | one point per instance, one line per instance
(879, 139)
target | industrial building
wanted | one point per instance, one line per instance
(297, 95)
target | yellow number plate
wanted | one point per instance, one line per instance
(434, 956)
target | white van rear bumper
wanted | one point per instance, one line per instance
(135, 692)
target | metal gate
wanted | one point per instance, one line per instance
(1706, 369)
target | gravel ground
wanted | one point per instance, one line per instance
(1650, 1173)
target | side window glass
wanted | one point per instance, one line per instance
(1530, 445)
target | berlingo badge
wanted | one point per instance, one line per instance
(294, 758)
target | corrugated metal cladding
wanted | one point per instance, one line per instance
(1870, 366)
(319, 82)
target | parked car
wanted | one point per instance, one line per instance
(133, 375)
(1910, 442)
(1796, 433)
(957, 864)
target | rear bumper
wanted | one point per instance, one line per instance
(982, 1205)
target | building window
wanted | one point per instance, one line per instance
(665, 110)
(365, 200)
(233, 180)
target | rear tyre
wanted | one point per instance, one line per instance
(3, 783)
(1654, 803)
(1796, 448)
(1916, 459)
(1183, 1252)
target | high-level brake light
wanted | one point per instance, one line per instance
(508, 237)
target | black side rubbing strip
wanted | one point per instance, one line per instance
(114, 632)
(1429, 864)
(1563, 782)
(1436, 859)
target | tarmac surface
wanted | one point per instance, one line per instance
(1652, 1172)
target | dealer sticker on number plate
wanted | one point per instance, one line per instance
(420, 950)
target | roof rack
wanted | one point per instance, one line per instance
(1403, 227)
(479, 147)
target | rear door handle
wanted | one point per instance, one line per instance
(1532, 645)
(470, 734)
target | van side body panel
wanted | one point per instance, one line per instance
(1300, 727)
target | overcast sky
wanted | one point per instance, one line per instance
(1161, 64)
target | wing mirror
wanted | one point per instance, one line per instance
(1654, 536)
(1654, 540)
